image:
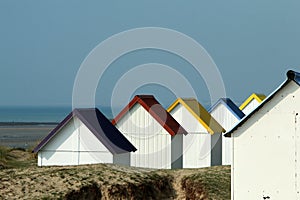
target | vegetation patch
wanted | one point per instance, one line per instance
(15, 158)
(208, 183)
(87, 192)
(20, 178)
(152, 187)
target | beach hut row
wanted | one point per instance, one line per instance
(262, 139)
(144, 134)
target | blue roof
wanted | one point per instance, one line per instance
(230, 105)
(99, 125)
(291, 76)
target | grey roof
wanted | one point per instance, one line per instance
(291, 76)
(99, 125)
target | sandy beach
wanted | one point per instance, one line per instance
(23, 135)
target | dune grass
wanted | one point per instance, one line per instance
(208, 183)
(21, 178)
(16, 158)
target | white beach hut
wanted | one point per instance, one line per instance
(266, 147)
(149, 127)
(228, 115)
(251, 103)
(202, 146)
(85, 136)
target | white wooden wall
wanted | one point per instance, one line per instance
(197, 143)
(152, 141)
(250, 107)
(227, 120)
(74, 145)
(266, 150)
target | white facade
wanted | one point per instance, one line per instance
(250, 106)
(152, 141)
(197, 144)
(266, 150)
(227, 120)
(75, 144)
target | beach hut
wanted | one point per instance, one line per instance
(202, 146)
(149, 127)
(266, 147)
(228, 115)
(85, 136)
(251, 103)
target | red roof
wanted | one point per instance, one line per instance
(155, 109)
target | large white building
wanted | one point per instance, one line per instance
(202, 146)
(85, 136)
(266, 147)
(228, 115)
(149, 127)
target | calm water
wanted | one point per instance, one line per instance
(38, 114)
(33, 114)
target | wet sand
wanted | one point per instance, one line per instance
(23, 135)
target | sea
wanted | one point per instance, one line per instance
(25, 126)
(33, 114)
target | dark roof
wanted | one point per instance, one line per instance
(99, 125)
(291, 76)
(295, 76)
(156, 111)
(230, 105)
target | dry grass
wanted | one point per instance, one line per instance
(113, 182)
(208, 183)
(22, 179)
(16, 158)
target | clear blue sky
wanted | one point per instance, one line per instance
(43, 43)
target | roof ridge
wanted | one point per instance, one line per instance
(142, 96)
(230, 105)
(99, 133)
(206, 119)
(295, 76)
(188, 99)
(257, 96)
(291, 76)
(169, 124)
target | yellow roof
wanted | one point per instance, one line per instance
(257, 97)
(200, 113)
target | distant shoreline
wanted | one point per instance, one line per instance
(27, 123)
